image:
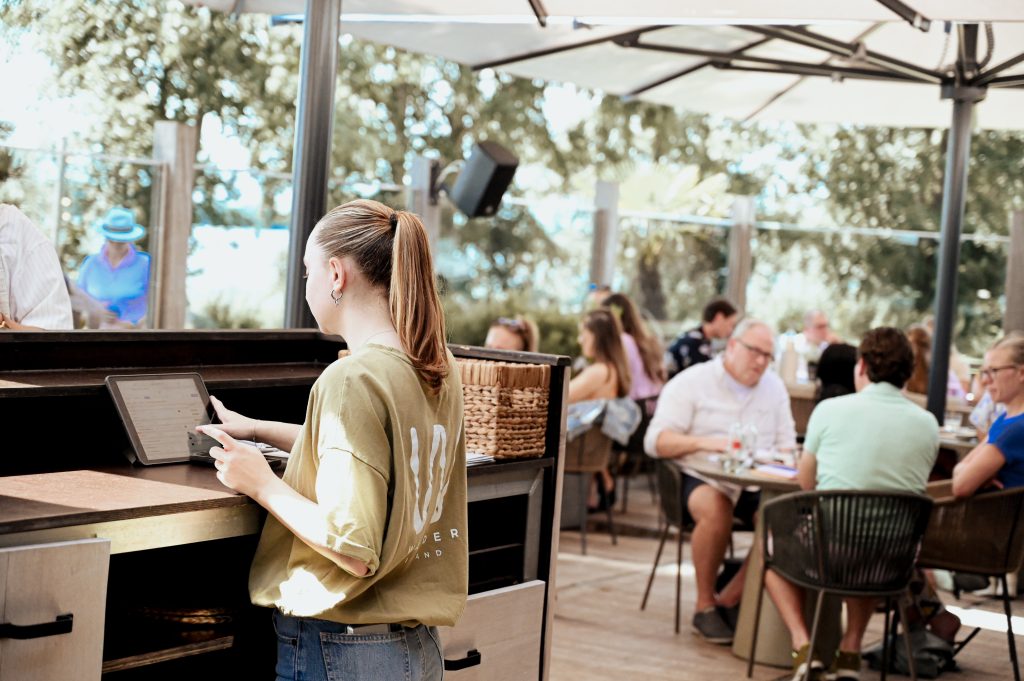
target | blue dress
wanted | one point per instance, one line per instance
(122, 289)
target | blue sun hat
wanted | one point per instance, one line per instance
(119, 225)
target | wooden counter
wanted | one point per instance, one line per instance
(169, 538)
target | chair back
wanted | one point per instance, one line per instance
(589, 452)
(670, 492)
(844, 541)
(983, 534)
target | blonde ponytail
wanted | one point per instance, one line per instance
(392, 250)
(415, 305)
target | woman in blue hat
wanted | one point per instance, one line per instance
(118, 276)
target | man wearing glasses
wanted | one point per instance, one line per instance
(695, 412)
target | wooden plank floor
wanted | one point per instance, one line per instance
(600, 632)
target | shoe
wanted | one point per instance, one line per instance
(800, 663)
(846, 667)
(731, 614)
(710, 626)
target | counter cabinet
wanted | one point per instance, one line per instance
(151, 563)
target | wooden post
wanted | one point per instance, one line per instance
(606, 233)
(174, 145)
(740, 262)
(1013, 320)
(421, 198)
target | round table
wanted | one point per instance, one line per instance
(773, 642)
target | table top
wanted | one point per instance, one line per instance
(703, 464)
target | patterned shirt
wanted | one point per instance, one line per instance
(691, 347)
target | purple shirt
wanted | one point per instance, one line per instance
(641, 385)
(123, 288)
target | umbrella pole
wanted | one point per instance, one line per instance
(314, 121)
(958, 155)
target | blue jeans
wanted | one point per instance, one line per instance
(318, 650)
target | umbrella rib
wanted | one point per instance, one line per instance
(990, 75)
(696, 67)
(802, 36)
(560, 48)
(908, 14)
(786, 90)
(538, 11)
(725, 60)
(1007, 81)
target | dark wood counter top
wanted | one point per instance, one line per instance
(44, 501)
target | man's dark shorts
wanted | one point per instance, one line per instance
(744, 510)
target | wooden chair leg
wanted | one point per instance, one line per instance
(911, 662)
(1009, 630)
(757, 623)
(814, 634)
(679, 574)
(654, 568)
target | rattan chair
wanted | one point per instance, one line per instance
(633, 459)
(982, 535)
(670, 495)
(848, 543)
(588, 454)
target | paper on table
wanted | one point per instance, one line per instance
(776, 470)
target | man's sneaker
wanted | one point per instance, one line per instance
(709, 625)
(846, 667)
(800, 663)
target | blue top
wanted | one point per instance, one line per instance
(1007, 435)
(122, 289)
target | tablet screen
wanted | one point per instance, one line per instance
(159, 413)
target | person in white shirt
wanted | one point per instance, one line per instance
(33, 295)
(694, 414)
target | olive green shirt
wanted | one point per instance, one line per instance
(385, 461)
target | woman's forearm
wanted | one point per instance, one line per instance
(277, 433)
(305, 520)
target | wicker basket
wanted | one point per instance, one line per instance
(506, 407)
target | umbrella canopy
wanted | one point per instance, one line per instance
(875, 62)
(857, 61)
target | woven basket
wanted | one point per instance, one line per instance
(506, 407)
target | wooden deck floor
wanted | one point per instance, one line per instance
(600, 632)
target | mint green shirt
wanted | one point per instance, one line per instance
(875, 439)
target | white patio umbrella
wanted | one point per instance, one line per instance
(874, 62)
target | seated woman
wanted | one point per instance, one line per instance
(999, 460)
(518, 334)
(835, 371)
(921, 341)
(643, 351)
(606, 377)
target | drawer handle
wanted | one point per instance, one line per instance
(61, 625)
(471, 659)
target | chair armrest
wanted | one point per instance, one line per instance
(940, 489)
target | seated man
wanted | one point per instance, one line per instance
(694, 414)
(694, 346)
(874, 439)
(999, 460)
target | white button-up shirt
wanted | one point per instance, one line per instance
(32, 288)
(705, 401)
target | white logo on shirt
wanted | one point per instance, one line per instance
(421, 509)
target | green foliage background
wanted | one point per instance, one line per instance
(148, 60)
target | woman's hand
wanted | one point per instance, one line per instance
(233, 423)
(240, 467)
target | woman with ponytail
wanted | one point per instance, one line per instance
(364, 552)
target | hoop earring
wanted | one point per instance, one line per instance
(337, 301)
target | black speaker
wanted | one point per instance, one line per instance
(484, 178)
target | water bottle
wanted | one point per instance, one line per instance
(734, 457)
(749, 439)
